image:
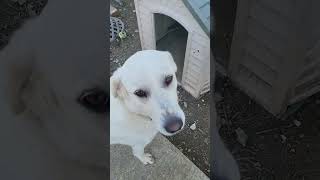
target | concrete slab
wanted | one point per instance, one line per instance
(170, 163)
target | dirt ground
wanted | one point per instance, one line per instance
(193, 143)
(285, 148)
(13, 14)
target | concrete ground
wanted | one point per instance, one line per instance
(194, 144)
(170, 163)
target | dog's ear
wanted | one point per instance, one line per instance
(16, 62)
(117, 88)
(171, 61)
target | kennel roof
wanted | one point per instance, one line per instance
(200, 9)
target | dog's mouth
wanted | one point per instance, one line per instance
(145, 117)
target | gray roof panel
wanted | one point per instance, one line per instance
(200, 9)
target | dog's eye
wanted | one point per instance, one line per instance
(168, 80)
(141, 93)
(95, 100)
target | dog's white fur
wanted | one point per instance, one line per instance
(45, 133)
(135, 121)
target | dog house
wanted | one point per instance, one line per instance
(169, 25)
(275, 53)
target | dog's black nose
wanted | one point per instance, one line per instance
(173, 124)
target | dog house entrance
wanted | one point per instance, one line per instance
(171, 36)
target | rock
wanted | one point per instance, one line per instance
(297, 123)
(193, 126)
(206, 140)
(185, 104)
(113, 11)
(223, 121)
(242, 137)
(283, 138)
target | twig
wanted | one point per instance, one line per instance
(273, 129)
(235, 115)
(266, 131)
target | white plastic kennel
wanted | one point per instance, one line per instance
(169, 25)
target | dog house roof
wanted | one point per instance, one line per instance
(200, 9)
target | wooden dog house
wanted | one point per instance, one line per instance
(170, 25)
(275, 53)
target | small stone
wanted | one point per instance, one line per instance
(297, 123)
(185, 104)
(242, 137)
(223, 121)
(206, 140)
(261, 146)
(257, 164)
(202, 100)
(134, 11)
(283, 138)
(189, 150)
(21, 2)
(193, 126)
(136, 31)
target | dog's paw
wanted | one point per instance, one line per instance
(147, 159)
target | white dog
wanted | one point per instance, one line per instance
(144, 101)
(53, 94)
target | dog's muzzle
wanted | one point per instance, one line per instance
(173, 124)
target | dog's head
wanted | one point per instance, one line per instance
(56, 67)
(147, 86)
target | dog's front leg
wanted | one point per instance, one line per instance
(138, 151)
